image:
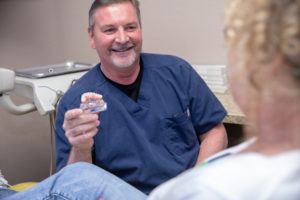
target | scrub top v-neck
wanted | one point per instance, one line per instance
(131, 90)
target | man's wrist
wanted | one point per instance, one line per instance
(81, 149)
(80, 155)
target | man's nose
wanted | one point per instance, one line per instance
(122, 36)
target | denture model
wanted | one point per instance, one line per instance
(93, 102)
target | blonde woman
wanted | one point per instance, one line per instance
(263, 38)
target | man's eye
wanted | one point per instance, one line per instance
(109, 31)
(131, 28)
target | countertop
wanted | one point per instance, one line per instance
(235, 115)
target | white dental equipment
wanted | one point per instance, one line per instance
(45, 85)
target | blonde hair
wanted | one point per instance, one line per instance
(261, 29)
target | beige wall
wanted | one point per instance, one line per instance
(191, 29)
(42, 32)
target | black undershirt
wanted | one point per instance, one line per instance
(131, 90)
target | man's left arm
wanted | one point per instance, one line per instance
(212, 142)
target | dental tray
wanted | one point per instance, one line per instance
(53, 70)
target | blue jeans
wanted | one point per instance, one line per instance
(79, 181)
(6, 192)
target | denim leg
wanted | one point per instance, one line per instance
(5, 193)
(81, 181)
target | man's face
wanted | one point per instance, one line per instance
(117, 35)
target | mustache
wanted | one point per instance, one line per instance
(120, 47)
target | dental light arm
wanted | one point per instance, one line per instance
(7, 83)
(9, 106)
(7, 80)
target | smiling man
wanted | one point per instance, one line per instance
(161, 118)
(117, 38)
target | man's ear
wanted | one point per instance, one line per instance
(91, 37)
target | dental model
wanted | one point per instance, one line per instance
(93, 102)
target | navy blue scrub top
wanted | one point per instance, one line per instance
(154, 139)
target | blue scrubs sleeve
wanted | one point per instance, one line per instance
(206, 109)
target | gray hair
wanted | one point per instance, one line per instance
(102, 3)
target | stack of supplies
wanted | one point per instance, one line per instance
(215, 77)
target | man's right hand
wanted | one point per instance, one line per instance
(80, 128)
